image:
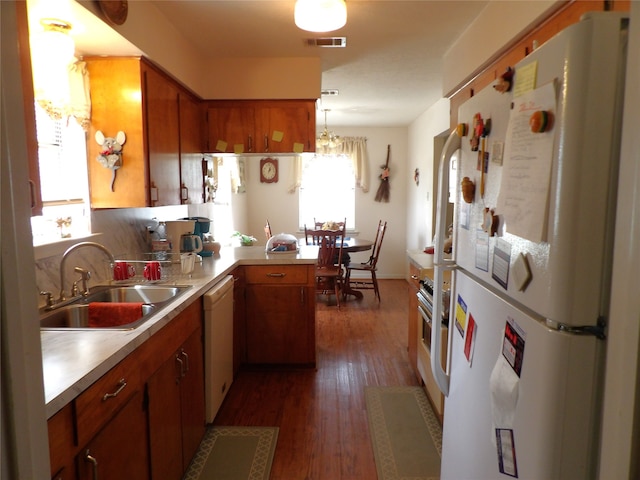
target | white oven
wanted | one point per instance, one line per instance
(425, 319)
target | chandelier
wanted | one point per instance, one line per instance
(320, 15)
(327, 139)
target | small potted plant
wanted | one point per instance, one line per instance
(245, 240)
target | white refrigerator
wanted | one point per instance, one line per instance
(533, 236)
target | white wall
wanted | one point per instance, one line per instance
(499, 23)
(420, 198)
(271, 201)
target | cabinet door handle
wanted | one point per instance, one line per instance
(186, 362)
(153, 194)
(181, 364)
(184, 193)
(250, 142)
(266, 143)
(122, 383)
(276, 275)
(94, 463)
(32, 193)
(302, 295)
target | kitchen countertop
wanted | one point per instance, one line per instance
(423, 261)
(72, 360)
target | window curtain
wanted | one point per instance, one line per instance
(354, 147)
(63, 91)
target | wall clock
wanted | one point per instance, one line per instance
(269, 170)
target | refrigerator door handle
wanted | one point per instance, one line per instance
(440, 263)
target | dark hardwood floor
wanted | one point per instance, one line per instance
(321, 414)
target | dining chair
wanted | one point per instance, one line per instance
(267, 230)
(310, 235)
(329, 270)
(370, 266)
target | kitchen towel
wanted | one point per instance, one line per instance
(113, 314)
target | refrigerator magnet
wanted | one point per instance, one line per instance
(461, 315)
(470, 339)
(521, 272)
(506, 452)
(501, 261)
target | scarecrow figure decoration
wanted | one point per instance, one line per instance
(382, 195)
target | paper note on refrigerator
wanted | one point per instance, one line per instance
(524, 191)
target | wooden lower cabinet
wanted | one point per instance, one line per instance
(61, 444)
(120, 449)
(176, 410)
(239, 325)
(412, 347)
(280, 315)
(152, 421)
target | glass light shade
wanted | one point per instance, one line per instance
(53, 45)
(320, 15)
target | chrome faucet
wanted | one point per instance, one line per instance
(71, 249)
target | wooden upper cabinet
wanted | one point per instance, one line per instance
(162, 123)
(116, 105)
(191, 148)
(261, 126)
(29, 108)
(287, 127)
(231, 127)
(163, 138)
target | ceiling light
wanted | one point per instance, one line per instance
(327, 139)
(320, 15)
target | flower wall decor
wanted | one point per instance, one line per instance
(111, 154)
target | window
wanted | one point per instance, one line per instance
(227, 176)
(62, 159)
(327, 190)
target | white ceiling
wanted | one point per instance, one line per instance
(389, 73)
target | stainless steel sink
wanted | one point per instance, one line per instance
(136, 293)
(74, 315)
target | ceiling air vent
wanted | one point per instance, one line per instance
(330, 92)
(327, 42)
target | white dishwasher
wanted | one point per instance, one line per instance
(218, 344)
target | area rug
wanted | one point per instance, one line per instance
(406, 436)
(234, 453)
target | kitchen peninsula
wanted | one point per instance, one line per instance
(73, 360)
(130, 399)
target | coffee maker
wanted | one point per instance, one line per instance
(175, 229)
(201, 228)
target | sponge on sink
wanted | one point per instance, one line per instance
(113, 314)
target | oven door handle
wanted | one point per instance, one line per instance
(426, 315)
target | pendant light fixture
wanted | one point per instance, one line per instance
(320, 15)
(327, 139)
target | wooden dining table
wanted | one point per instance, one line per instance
(355, 245)
(351, 245)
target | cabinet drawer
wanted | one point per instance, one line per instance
(97, 405)
(279, 275)
(414, 275)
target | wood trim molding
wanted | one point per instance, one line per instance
(566, 14)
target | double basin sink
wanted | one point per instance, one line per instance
(75, 315)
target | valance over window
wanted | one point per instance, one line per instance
(354, 147)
